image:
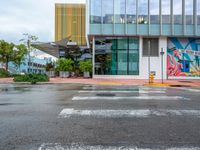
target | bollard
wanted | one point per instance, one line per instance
(152, 77)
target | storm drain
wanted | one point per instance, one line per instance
(180, 86)
(105, 95)
(186, 81)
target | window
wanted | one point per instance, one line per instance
(107, 11)
(154, 12)
(131, 11)
(177, 10)
(198, 12)
(119, 11)
(166, 11)
(154, 50)
(95, 11)
(189, 12)
(117, 56)
(143, 11)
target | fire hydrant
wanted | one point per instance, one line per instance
(152, 77)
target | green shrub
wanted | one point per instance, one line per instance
(86, 66)
(32, 78)
(4, 73)
(65, 64)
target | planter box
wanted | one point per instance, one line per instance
(51, 74)
(86, 74)
(64, 74)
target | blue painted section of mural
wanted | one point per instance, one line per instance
(183, 57)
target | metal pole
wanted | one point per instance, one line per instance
(162, 53)
(29, 55)
(149, 60)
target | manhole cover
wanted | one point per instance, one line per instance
(105, 94)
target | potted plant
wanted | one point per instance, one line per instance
(65, 66)
(50, 70)
(86, 68)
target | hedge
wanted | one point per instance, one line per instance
(32, 78)
(4, 73)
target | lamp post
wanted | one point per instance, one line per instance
(162, 54)
(149, 60)
(29, 55)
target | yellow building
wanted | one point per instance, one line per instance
(70, 22)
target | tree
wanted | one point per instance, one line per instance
(6, 52)
(28, 40)
(19, 55)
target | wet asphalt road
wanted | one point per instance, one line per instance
(31, 117)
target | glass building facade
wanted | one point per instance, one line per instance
(116, 56)
(145, 17)
(121, 30)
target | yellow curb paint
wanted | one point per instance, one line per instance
(157, 85)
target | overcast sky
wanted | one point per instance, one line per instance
(35, 17)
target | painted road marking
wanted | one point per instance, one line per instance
(57, 146)
(122, 88)
(142, 113)
(79, 98)
(140, 92)
(190, 90)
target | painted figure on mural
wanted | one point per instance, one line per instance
(183, 57)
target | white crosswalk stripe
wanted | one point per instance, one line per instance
(169, 98)
(143, 113)
(57, 146)
(116, 91)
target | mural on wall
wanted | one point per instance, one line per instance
(183, 57)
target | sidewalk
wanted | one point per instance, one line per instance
(191, 83)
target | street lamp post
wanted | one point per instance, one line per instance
(29, 55)
(162, 54)
(149, 60)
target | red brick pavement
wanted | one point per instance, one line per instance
(192, 83)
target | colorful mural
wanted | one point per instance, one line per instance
(183, 57)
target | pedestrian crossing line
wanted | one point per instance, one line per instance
(169, 98)
(190, 90)
(140, 113)
(115, 91)
(123, 88)
(57, 146)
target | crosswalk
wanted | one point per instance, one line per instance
(96, 95)
(122, 94)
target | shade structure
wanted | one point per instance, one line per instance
(52, 48)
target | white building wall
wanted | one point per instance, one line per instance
(155, 62)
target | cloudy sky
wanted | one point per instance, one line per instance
(35, 17)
